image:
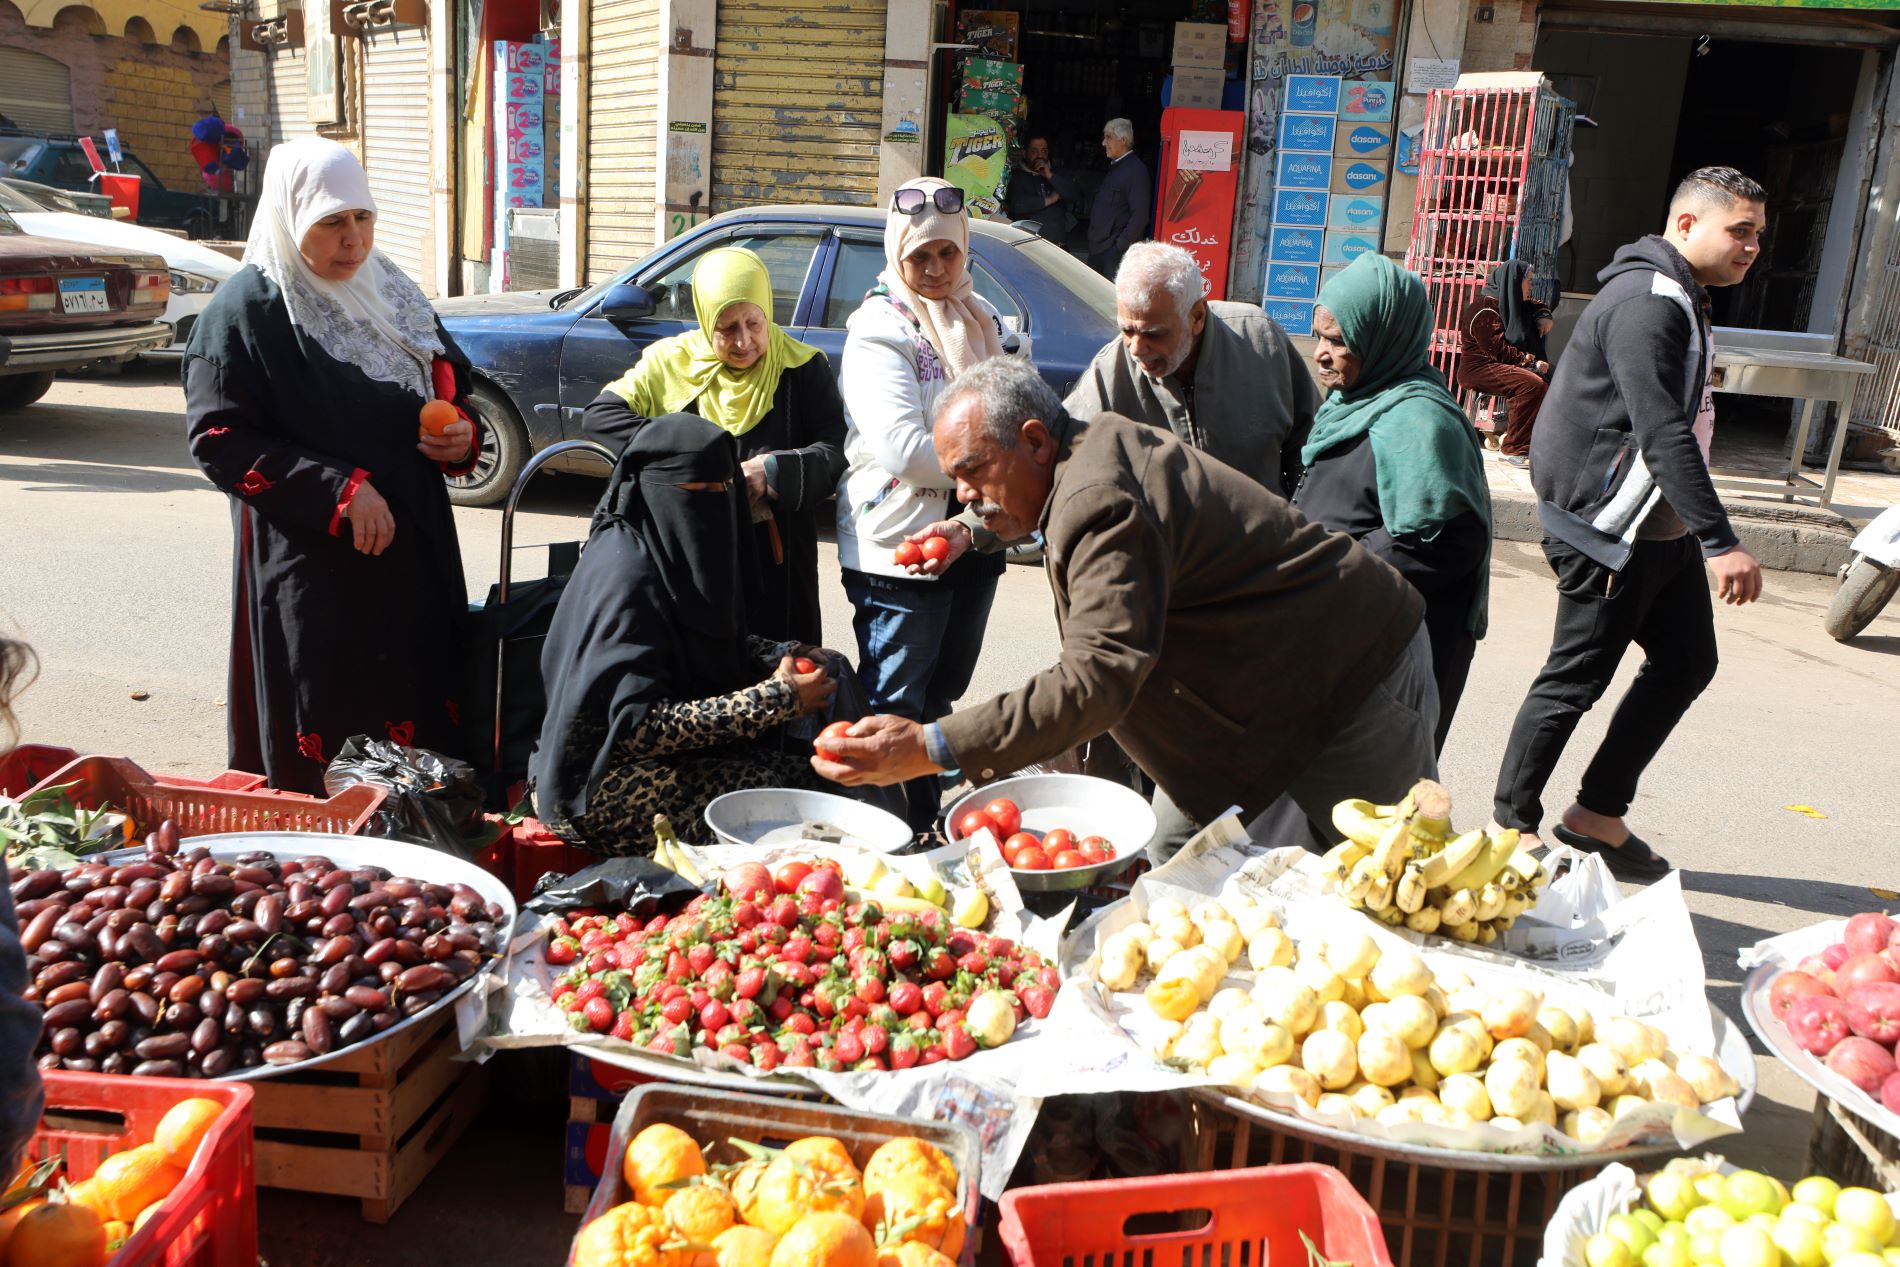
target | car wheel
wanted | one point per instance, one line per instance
(17, 391)
(504, 452)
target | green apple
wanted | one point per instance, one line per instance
(1749, 1192)
(1665, 1254)
(1648, 1218)
(1838, 1240)
(1705, 1249)
(1747, 1246)
(1800, 1243)
(1708, 1218)
(1604, 1250)
(1766, 1222)
(1863, 1260)
(1672, 1195)
(1798, 1212)
(1867, 1210)
(1710, 1188)
(1673, 1234)
(1818, 1191)
(1632, 1231)
(1892, 1256)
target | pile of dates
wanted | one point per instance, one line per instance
(180, 965)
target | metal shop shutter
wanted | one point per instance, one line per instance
(396, 110)
(286, 86)
(798, 100)
(622, 133)
(36, 91)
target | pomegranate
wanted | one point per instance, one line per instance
(749, 882)
(824, 884)
(1790, 987)
(1890, 1093)
(1836, 955)
(1873, 1011)
(1862, 970)
(1863, 1062)
(1818, 1023)
(1816, 967)
(1868, 933)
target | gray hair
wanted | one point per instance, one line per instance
(1011, 391)
(1121, 129)
(1155, 266)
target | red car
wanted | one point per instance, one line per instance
(64, 305)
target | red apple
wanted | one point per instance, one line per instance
(1836, 955)
(1890, 1093)
(824, 883)
(749, 882)
(1818, 1023)
(1791, 987)
(1862, 970)
(1816, 967)
(1874, 1012)
(1867, 933)
(1863, 1062)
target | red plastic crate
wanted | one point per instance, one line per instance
(210, 1218)
(1248, 1218)
(200, 809)
(28, 765)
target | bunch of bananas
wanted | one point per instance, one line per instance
(1404, 865)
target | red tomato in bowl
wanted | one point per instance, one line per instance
(1054, 842)
(1016, 844)
(936, 548)
(1068, 858)
(975, 821)
(909, 554)
(836, 730)
(1008, 819)
(1031, 858)
(1096, 848)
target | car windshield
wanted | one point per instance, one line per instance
(17, 154)
(12, 199)
(7, 224)
(1076, 277)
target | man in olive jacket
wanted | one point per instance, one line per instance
(1235, 650)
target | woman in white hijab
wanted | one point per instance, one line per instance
(920, 326)
(305, 382)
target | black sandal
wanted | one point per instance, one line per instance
(1633, 860)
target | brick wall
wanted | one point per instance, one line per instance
(1507, 41)
(151, 94)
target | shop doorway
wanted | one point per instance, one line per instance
(1666, 105)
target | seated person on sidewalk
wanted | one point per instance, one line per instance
(1188, 598)
(1394, 463)
(658, 698)
(1503, 355)
(1221, 376)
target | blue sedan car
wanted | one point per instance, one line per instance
(541, 357)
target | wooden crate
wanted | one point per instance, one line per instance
(1851, 1150)
(1434, 1216)
(370, 1125)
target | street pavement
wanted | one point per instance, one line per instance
(115, 565)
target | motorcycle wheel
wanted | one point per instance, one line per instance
(1863, 592)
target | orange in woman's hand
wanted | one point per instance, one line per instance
(437, 415)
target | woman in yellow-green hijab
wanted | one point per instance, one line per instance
(777, 396)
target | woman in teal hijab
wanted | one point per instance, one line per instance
(1393, 462)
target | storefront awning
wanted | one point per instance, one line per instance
(1833, 23)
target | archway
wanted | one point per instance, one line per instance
(139, 31)
(185, 40)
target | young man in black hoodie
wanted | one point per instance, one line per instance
(1620, 463)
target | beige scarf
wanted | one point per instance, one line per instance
(962, 333)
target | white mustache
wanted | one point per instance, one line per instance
(988, 509)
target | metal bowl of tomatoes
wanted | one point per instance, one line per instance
(1115, 821)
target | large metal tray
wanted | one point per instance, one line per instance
(414, 861)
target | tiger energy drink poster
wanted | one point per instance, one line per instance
(1320, 117)
(976, 160)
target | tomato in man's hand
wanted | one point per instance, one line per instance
(909, 554)
(1008, 819)
(975, 821)
(802, 665)
(836, 730)
(937, 548)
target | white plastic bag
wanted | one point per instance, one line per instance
(1583, 892)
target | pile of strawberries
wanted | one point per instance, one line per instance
(802, 978)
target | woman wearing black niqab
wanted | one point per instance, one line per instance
(1502, 333)
(657, 696)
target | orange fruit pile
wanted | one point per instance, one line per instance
(83, 1224)
(806, 1205)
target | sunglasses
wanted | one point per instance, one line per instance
(910, 202)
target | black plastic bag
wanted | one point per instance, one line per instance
(639, 886)
(433, 800)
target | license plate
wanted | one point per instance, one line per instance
(83, 294)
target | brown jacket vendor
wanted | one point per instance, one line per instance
(1227, 644)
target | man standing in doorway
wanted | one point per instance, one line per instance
(1118, 218)
(1037, 191)
(1620, 463)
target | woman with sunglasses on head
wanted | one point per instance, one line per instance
(919, 627)
(776, 396)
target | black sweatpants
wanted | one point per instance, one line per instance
(1659, 601)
